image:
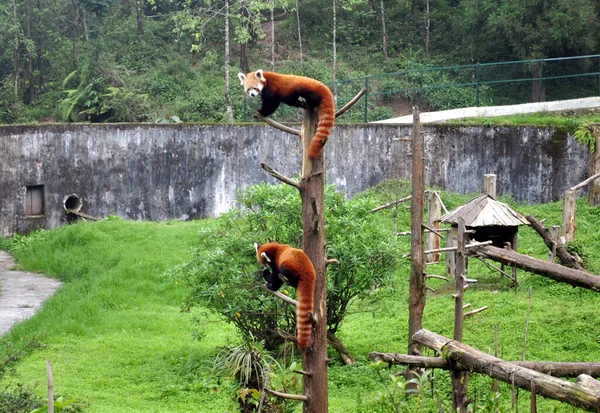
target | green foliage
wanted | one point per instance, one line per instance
(399, 391)
(584, 135)
(16, 397)
(18, 242)
(225, 277)
(117, 316)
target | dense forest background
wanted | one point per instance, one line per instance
(171, 61)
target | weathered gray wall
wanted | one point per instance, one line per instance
(159, 172)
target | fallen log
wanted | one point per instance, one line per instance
(557, 272)
(552, 368)
(466, 357)
(561, 251)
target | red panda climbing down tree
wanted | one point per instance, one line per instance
(275, 88)
(295, 268)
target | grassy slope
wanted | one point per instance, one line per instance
(118, 341)
(115, 333)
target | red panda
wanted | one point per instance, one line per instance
(275, 88)
(295, 268)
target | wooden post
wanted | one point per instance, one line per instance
(50, 386)
(569, 209)
(434, 211)
(451, 255)
(594, 168)
(417, 296)
(555, 239)
(460, 378)
(312, 193)
(489, 185)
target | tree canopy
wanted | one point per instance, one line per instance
(164, 60)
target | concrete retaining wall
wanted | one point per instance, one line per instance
(161, 172)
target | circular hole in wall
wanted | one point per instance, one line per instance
(72, 203)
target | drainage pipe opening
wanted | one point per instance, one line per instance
(72, 203)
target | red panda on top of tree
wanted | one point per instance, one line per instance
(276, 88)
(292, 266)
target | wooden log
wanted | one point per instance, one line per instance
(551, 368)
(569, 214)
(589, 383)
(561, 251)
(476, 360)
(557, 272)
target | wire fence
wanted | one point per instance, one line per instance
(451, 87)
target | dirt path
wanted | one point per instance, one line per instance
(22, 293)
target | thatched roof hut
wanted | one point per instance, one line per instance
(492, 220)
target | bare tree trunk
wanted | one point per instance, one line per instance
(30, 80)
(334, 76)
(16, 53)
(85, 28)
(417, 296)
(312, 193)
(272, 36)
(227, 66)
(244, 66)
(383, 30)
(427, 27)
(538, 90)
(139, 12)
(299, 29)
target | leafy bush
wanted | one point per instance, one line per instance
(225, 277)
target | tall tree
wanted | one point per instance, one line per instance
(537, 29)
(299, 29)
(383, 30)
(227, 65)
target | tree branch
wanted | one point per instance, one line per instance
(351, 103)
(299, 397)
(279, 176)
(283, 297)
(278, 125)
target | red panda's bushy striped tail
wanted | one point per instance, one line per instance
(326, 113)
(305, 293)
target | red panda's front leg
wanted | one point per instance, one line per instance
(270, 103)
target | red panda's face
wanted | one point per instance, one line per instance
(253, 82)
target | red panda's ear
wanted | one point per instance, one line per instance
(242, 77)
(260, 75)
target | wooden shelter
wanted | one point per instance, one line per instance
(491, 220)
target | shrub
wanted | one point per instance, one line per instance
(225, 277)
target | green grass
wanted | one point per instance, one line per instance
(119, 342)
(570, 122)
(114, 332)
